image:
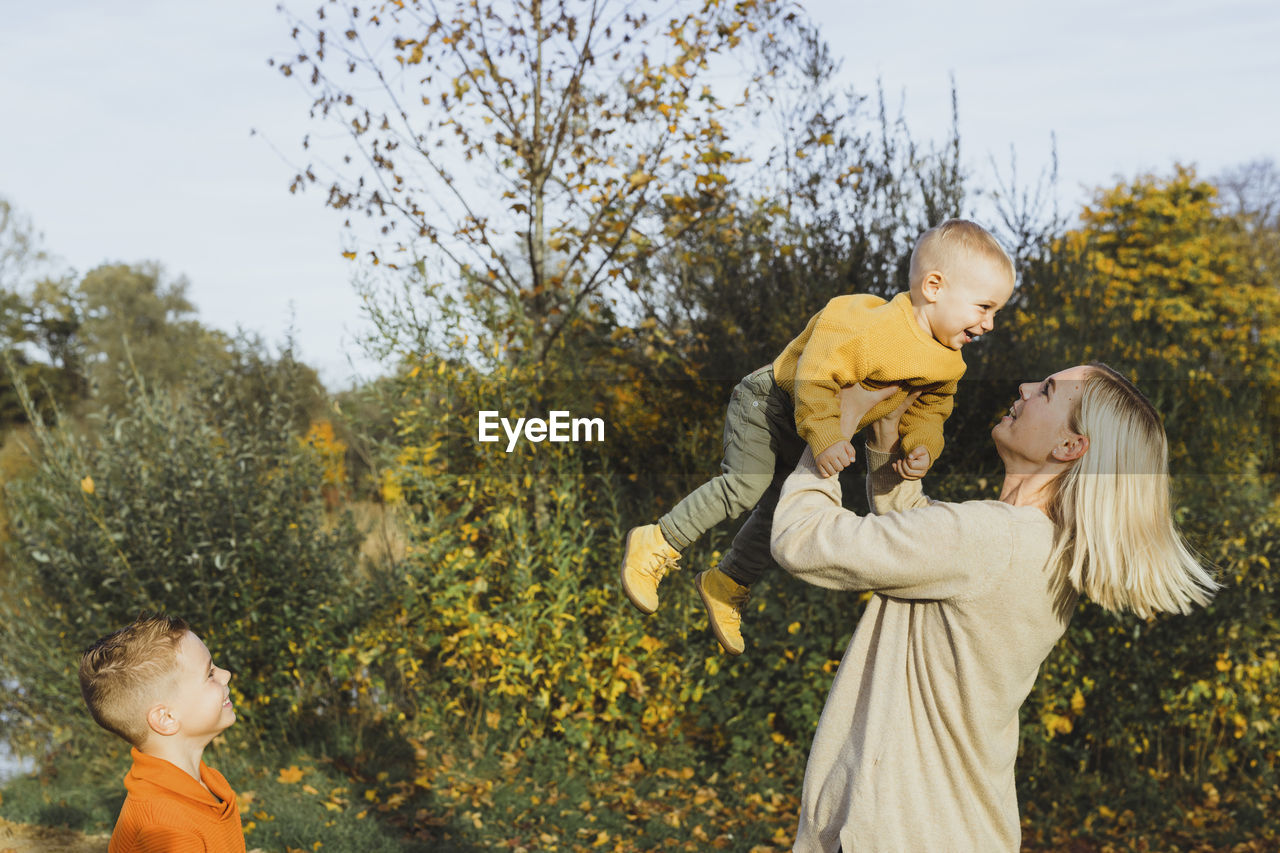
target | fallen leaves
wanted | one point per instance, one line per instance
(290, 775)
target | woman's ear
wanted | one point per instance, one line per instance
(1071, 448)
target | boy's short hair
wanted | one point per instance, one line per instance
(119, 671)
(940, 247)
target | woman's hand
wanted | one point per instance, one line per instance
(856, 401)
(884, 432)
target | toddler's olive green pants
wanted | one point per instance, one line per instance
(761, 447)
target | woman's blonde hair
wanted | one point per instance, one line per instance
(1115, 538)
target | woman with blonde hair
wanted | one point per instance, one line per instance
(915, 748)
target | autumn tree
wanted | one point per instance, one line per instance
(519, 151)
(1160, 283)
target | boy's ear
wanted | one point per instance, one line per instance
(161, 721)
(931, 285)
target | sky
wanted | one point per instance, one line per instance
(154, 130)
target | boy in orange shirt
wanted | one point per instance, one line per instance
(154, 684)
(960, 277)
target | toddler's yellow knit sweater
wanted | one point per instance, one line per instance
(863, 338)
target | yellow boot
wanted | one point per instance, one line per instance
(646, 558)
(724, 599)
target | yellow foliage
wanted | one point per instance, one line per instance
(331, 450)
(290, 775)
(639, 179)
(389, 488)
(1056, 724)
(1193, 303)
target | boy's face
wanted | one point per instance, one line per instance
(199, 699)
(966, 300)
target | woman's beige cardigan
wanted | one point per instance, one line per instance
(915, 748)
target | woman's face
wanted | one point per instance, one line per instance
(1037, 430)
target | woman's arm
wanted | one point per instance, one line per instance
(887, 491)
(931, 552)
(920, 554)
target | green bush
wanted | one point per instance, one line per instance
(203, 504)
(504, 624)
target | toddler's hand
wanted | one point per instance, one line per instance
(835, 458)
(914, 465)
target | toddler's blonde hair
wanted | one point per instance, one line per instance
(119, 673)
(944, 246)
(1115, 538)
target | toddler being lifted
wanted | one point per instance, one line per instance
(959, 278)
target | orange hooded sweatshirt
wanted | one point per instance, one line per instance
(166, 811)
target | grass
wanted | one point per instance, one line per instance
(288, 802)
(407, 796)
